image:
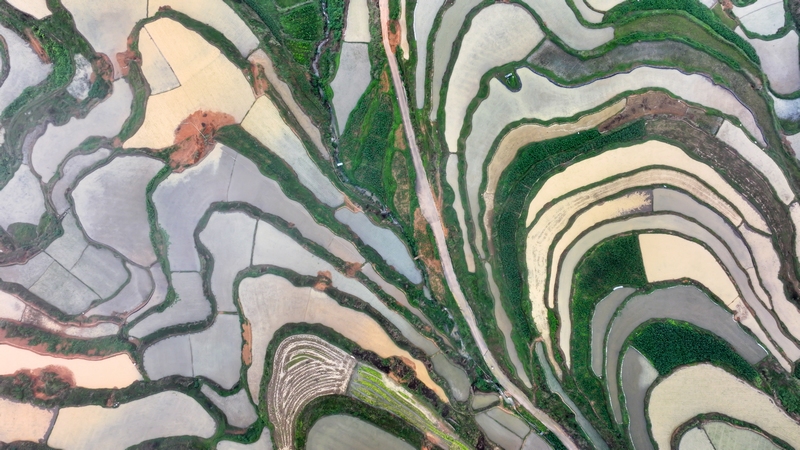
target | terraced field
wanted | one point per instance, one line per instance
(223, 226)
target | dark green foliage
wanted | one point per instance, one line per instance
(287, 3)
(24, 234)
(615, 262)
(532, 163)
(785, 387)
(672, 344)
(366, 144)
(63, 345)
(303, 23)
(341, 404)
(692, 7)
(394, 9)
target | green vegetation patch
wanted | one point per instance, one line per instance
(693, 8)
(672, 344)
(299, 29)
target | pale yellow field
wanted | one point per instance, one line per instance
(736, 138)
(215, 13)
(265, 123)
(611, 209)
(155, 67)
(404, 31)
(271, 301)
(36, 8)
(23, 422)
(114, 372)
(209, 82)
(285, 92)
(669, 257)
(625, 159)
(507, 150)
(555, 218)
(357, 27)
(499, 34)
(703, 388)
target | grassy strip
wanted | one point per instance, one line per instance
(61, 345)
(693, 8)
(614, 262)
(671, 344)
(342, 404)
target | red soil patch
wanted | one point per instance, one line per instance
(104, 68)
(351, 269)
(247, 348)
(323, 281)
(394, 34)
(647, 104)
(194, 137)
(37, 46)
(350, 205)
(259, 79)
(39, 378)
(124, 58)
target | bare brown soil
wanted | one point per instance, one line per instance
(247, 348)
(400, 138)
(323, 281)
(194, 137)
(124, 58)
(385, 81)
(259, 79)
(394, 35)
(351, 269)
(426, 255)
(39, 378)
(647, 104)
(351, 206)
(37, 46)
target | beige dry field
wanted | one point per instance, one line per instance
(215, 13)
(36, 8)
(265, 123)
(21, 199)
(669, 257)
(285, 92)
(561, 20)
(404, 31)
(703, 388)
(155, 67)
(209, 82)
(625, 159)
(357, 26)
(736, 138)
(779, 60)
(449, 27)
(23, 422)
(764, 17)
(272, 301)
(458, 205)
(637, 201)
(113, 372)
(555, 218)
(164, 414)
(507, 150)
(499, 34)
(424, 15)
(667, 223)
(107, 24)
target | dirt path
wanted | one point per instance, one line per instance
(432, 215)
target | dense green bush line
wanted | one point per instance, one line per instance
(612, 263)
(693, 7)
(531, 164)
(299, 29)
(672, 344)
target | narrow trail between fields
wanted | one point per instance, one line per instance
(432, 215)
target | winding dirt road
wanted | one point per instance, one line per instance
(432, 215)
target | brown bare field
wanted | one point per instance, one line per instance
(194, 137)
(209, 82)
(113, 372)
